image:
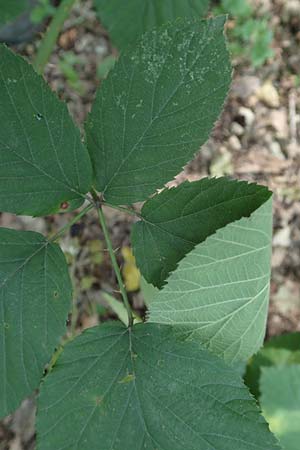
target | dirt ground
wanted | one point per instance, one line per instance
(257, 138)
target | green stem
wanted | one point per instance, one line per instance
(115, 265)
(50, 38)
(98, 200)
(72, 222)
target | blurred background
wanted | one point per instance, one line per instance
(257, 138)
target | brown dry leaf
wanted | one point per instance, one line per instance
(68, 38)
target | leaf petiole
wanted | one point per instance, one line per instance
(132, 212)
(72, 222)
(115, 265)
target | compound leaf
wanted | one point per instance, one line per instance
(113, 388)
(280, 401)
(177, 219)
(35, 298)
(43, 162)
(219, 293)
(157, 107)
(126, 21)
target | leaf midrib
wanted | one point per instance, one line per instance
(160, 110)
(33, 163)
(200, 388)
(26, 261)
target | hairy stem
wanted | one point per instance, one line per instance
(115, 265)
(50, 38)
(72, 222)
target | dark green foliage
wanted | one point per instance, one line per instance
(156, 108)
(143, 388)
(177, 219)
(35, 298)
(154, 386)
(42, 159)
(127, 21)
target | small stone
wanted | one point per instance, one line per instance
(283, 237)
(293, 149)
(276, 150)
(246, 86)
(268, 94)
(33, 223)
(234, 143)
(248, 116)
(222, 164)
(291, 9)
(278, 119)
(237, 129)
(278, 255)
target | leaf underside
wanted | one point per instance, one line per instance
(157, 107)
(121, 390)
(42, 159)
(220, 291)
(177, 219)
(35, 298)
(117, 16)
(280, 401)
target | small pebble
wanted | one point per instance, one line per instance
(234, 143)
(269, 95)
(237, 129)
(248, 116)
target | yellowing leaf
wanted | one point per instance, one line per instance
(131, 273)
(96, 251)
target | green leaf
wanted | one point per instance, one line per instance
(11, 9)
(113, 388)
(43, 162)
(157, 107)
(289, 341)
(119, 309)
(35, 298)
(177, 219)
(237, 8)
(127, 21)
(280, 400)
(148, 291)
(105, 66)
(219, 293)
(280, 350)
(42, 10)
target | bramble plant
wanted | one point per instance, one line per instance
(172, 382)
